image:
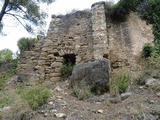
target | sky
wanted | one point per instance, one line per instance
(14, 31)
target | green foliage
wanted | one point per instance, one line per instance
(82, 93)
(4, 99)
(5, 55)
(26, 12)
(121, 82)
(150, 11)
(147, 50)
(122, 8)
(35, 96)
(26, 44)
(66, 70)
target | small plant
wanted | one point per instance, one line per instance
(36, 96)
(82, 93)
(147, 50)
(121, 82)
(66, 70)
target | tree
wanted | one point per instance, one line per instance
(26, 12)
(6, 55)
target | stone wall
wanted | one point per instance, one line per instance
(126, 40)
(86, 35)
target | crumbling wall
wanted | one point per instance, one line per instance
(126, 40)
(86, 35)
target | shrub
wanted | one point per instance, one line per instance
(121, 82)
(66, 70)
(5, 55)
(149, 11)
(26, 44)
(82, 93)
(36, 96)
(147, 50)
(122, 8)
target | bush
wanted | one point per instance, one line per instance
(82, 93)
(147, 50)
(36, 96)
(122, 8)
(26, 44)
(5, 55)
(121, 83)
(149, 11)
(66, 70)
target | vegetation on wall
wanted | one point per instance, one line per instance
(26, 44)
(148, 10)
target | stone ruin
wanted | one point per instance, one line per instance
(83, 36)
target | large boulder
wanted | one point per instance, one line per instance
(94, 74)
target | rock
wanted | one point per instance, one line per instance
(58, 89)
(151, 82)
(125, 95)
(151, 101)
(45, 115)
(115, 99)
(5, 108)
(50, 103)
(100, 111)
(155, 110)
(60, 115)
(94, 74)
(158, 94)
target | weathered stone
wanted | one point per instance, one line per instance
(94, 74)
(152, 82)
(125, 95)
(60, 115)
(115, 99)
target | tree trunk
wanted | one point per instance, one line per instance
(3, 9)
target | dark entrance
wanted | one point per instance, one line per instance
(69, 59)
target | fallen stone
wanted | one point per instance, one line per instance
(5, 108)
(115, 100)
(151, 82)
(45, 115)
(100, 111)
(125, 95)
(158, 94)
(50, 103)
(60, 115)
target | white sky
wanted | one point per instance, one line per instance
(14, 31)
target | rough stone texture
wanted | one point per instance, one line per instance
(126, 40)
(94, 74)
(88, 35)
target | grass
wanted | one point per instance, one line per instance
(5, 99)
(120, 83)
(82, 93)
(35, 96)
(4, 77)
(66, 70)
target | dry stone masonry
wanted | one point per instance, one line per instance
(83, 36)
